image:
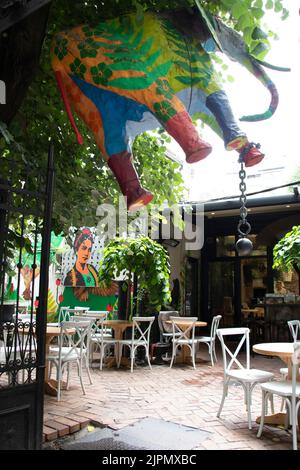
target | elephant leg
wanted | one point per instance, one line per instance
(182, 129)
(123, 168)
(234, 137)
(173, 116)
(170, 112)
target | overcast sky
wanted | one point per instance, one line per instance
(279, 136)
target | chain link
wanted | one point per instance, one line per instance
(243, 210)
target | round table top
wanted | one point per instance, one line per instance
(117, 323)
(186, 322)
(274, 349)
(55, 331)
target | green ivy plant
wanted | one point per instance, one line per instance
(145, 258)
(287, 251)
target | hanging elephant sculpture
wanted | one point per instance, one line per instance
(130, 74)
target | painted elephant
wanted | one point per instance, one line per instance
(131, 74)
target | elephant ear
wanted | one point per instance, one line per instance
(209, 21)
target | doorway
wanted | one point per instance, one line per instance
(222, 291)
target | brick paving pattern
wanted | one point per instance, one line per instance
(181, 394)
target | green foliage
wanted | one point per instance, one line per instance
(144, 257)
(287, 251)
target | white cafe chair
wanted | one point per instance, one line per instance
(246, 376)
(184, 337)
(294, 327)
(210, 341)
(100, 337)
(289, 390)
(76, 351)
(139, 337)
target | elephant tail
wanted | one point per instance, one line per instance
(61, 86)
(261, 75)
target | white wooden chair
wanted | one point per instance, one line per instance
(289, 390)
(166, 332)
(139, 338)
(101, 337)
(62, 356)
(210, 341)
(64, 314)
(294, 327)
(184, 337)
(246, 376)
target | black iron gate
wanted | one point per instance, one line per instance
(26, 194)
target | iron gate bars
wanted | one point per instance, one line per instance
(26, 199)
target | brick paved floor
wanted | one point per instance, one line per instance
(181, 394)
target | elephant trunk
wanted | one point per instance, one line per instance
(255, 68)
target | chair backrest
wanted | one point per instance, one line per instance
(163, 316)
(95, 313)
(84, 309)
(294, 326)
(64, 314)
(78, 341)
(215, 326)
(243, 333)
(141, 335)
(295, 367)
(96, 321)
(180, 333)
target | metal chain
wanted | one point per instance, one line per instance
(243, 210)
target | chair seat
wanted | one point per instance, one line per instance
(105, 336)
(170, 335)
(250, 375)
(284, 371)
(3, 353)
(185, 341)
(283, 388)
(203, 339)
(65, 353)
(135, 342)
(106, 339)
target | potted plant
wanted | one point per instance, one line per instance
(144, 258)
(287, 251)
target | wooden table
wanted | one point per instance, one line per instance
(51, 384)
(119, 326)
(185, 357)
(247, 311)
(285, 352)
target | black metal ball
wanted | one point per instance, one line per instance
(244, 246)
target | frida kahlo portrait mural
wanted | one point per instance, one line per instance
(82, 273)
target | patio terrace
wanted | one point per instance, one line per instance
(182, 395)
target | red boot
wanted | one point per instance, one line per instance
(127, 177)
(250, 154)
(182, 129)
